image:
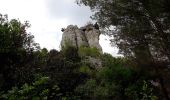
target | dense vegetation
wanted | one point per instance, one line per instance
(141, 33)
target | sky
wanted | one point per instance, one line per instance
(47, 17)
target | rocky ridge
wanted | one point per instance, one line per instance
(87, 36)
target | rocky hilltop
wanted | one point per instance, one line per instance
(87, 36)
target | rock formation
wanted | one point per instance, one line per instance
(87, 36)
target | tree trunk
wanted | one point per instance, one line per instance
(164, 88)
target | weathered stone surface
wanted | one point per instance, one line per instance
(93, 38)
(68, 36)
(85, 36)
(81, 39)
(95, 63)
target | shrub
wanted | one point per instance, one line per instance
(86, 51)
(38, 90)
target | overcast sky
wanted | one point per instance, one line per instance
(47, 17)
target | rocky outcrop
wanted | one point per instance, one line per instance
(94, 63)
(87, 36)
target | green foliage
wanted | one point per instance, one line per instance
(86, 51)
(16, 50)
(142, 92)
(147, 92)
(67, 44)
(71, 53)
(63, 69)
(116, 80)
(140, 29)
(13, 35)
(86, 70)
(38, 90)
(87, 89)
(69, 76)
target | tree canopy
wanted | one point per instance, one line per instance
(140, 29)
(139, 24)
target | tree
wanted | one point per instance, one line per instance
(136, 22)
(62, 68)
(40, 89)
(16, 51)
(141, 29)
(116, 80)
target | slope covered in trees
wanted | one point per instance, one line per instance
(141, 33)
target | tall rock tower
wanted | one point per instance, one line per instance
(87, 36)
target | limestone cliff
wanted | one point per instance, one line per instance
(87, 36)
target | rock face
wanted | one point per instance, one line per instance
(87, 36)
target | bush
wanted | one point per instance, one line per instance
(86, 51)
(38, 90)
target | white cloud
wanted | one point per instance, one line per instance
(68, 9)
